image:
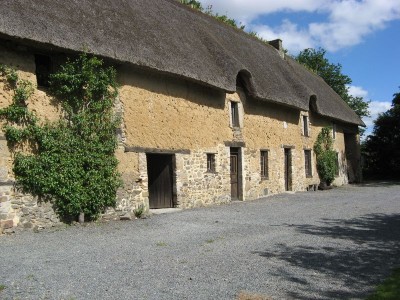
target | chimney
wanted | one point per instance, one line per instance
(277, 44)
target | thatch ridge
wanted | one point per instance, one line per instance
(166, 36)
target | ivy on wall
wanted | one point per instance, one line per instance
(326, 156)
(72, 161)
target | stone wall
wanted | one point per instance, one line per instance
(195, 185)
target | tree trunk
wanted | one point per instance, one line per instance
(81, 218)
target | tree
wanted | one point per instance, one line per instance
(382, 148)
(193, 4)
(316, 61)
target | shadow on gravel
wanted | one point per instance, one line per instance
(376, 250)
(387, 183)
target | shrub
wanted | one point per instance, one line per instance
(139, 211)
(326, 156)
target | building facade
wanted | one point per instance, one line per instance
(189, 136)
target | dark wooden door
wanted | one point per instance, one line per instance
(287, 170)
(234, 157)
(159, 169)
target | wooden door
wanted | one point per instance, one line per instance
(159, 169)
(287, 171)
(235, 163)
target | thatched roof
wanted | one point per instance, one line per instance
(167, 36)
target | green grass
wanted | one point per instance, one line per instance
(161, 244)
(2, 287)
(389, 289)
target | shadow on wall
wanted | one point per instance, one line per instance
(376, 250)
(175, 87)
(271, 110)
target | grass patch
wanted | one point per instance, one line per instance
(2, 287)
(210, 241)
(389, 289)
(161, 244)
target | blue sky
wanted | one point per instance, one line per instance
(362, 35)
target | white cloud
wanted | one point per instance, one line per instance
(348, 21)
(375, 108)
(295, 38)
(357, 91)
(351, 21)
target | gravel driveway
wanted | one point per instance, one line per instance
(336, 244)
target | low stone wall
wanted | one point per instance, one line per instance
(19, 210)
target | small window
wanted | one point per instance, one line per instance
(264, 164)
(210, 162)
(337, 164)
(43, 70)
(308, 165)
(235, 114)
(305, 126)
(334, 130)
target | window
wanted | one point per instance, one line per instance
(307, 160)
(43, 70)
(264, 164)
(334, 130)
(337, 164)
(305, 126)
(235, 114)
(210, 162)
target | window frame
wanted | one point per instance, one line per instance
(308, 163)
(264, 164)
(211, 163)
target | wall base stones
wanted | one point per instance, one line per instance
(21, 211)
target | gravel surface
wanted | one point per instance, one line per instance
(335, 244)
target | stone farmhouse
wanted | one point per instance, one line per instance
(210, 114)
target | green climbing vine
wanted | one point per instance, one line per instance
(326, 156)
(72, 162)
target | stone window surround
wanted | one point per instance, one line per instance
(305, 127)
(240, 112)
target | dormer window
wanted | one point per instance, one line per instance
(334, 130)
(234, 114)
(306, 131)
(43, 70)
